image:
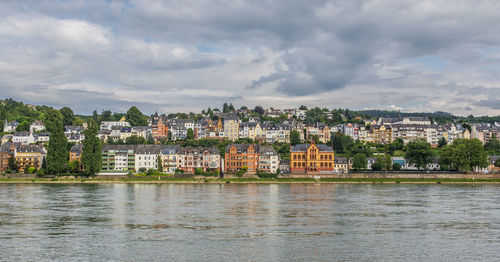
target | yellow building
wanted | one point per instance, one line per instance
(312, 159)
(29, 156)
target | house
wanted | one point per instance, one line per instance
(231, 127)
(284, 167)
(108, 125)
(159, 127)
(169, 158)
(24, 138)
(75, 154)
(312, 159)
(277, 133)
(342, 165)
(382, 134)
(7, 138)
(238, 156)
(143, 131)
(42, 137)
(30, 156)
(492, 160)
(10, 126)
(146, 156)
(320, 130)
(37, 126)
(7, 151)
(191, 158)
(118, 158)
(268, 160)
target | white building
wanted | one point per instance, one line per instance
(37, 126)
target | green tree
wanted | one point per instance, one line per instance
(68, 116)
(135, 117)
(92, 150)
(294, 137)
(160, 164)
(190, 134)
(342, 144)
(359, 162)
(442, 142)
(106, 115)
(74, 166)
(57, 152)
(387, 162)
(493, 145)
(377, 166)
(497, 163)
(135, 140)
(12, 163)
(396, 166)
(419, 153)
(464, 155)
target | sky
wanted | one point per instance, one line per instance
(170, 56)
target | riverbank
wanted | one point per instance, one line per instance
(162, 180)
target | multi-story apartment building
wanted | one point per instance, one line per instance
(24, 138)
(277, 133)
(191, 158)
(231, 127)
(118, 158)
(382, 134)
(29, 156)
(268, 160)
(169, 158)
(238, 156)
(108, 125)
(146, 156)
(320, 130)
(7, 151)
(252, 130)
(311, 159)
(159, 127)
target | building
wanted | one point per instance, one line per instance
(382, 134)
(108, 125)
(169, 158)
(231, 127)
(342, 165)
(75, 154)
(191, 158)
(10, 126)
(320, 130)
(146, 156)
(285, 167)
(118, 158)
(42, 137)
(30, 156)
(159, 127)
(37, 126)
(312, 159)
(7, 151)
(268, 160)
(24, 138)
(238, 156)
(277, 133)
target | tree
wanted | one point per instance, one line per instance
(160, 165)
(135, 140)
(387, 162)
(419, 153)
(294, 137)
(464, 155)
(303, 107)
(442, 142)
(359, 162)
(95, 116)
(12, 163)
(396, 166)
(342, 144)
(190, 134)
(315, 138)
(377, 166)
(493, 145)
(74, 166)
(135, 117)
(92, 150)
(68, 116)
(259, 110)
(497, 163)
(106, 115)
(57, 152)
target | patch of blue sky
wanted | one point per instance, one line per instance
(429, 62)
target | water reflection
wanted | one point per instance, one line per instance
(295, 222)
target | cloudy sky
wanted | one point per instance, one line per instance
(170, 56)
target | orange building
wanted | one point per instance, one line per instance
(159, 127)
(76, 153)
(312, 159)
(7, 151)
(241, 155)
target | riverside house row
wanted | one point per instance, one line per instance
(26, 156)
(254, 158)
(167, 158)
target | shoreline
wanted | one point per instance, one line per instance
(154, 180)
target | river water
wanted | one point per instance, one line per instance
(252, 222)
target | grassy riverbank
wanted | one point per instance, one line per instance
(166, 180)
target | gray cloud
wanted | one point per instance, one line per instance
(178, 55)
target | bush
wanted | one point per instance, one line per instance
(40, 173)
(31, 170)
(267, 175)
(497, 163)
(198, 171)
(377, 166)
(396, 166)
(143, 170)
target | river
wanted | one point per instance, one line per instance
(251, 222)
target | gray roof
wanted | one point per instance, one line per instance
(242, 148)
(303, 148)
(30, 149)
(77, 148)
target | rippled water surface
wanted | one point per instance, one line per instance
(298, 222)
